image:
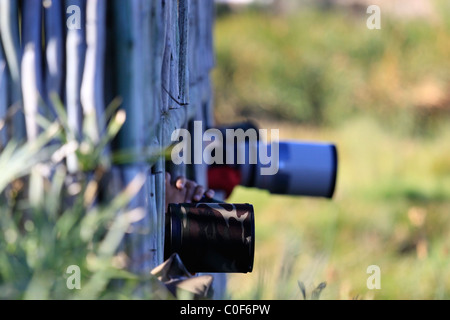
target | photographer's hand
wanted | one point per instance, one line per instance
(185, 191)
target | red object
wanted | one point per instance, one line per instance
(223, 178)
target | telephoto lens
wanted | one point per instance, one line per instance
(211, 236)
(305, 169)
(298, 168)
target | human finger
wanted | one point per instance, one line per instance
(199, 193)
(190, 191)
(210, 193)
(180, 183)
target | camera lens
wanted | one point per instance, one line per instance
(305, 169)
(211, 237)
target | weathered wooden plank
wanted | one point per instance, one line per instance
(75, 58)
(158, 36)
(173, 119)
(92, 86)
(193, 46)
(9, 25)
(208, 107)
(195, 57)
(137, 74)
(150, 105)
(133, 23)
(54, 51)
(174, 50)
(209, 29)
(141, 243)
(31, 65)
(202, 54)
(167, 95)
(128, 51)
(183, 68)
(156, 54)
(4, 94)
(160, 192)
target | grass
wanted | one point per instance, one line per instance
(382, 97)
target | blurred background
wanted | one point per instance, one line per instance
(315, 71)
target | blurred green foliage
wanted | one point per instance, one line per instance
(323, 66)
(51, 219)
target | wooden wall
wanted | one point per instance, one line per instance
(156, 55)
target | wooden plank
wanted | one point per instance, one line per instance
(209, 35)
(173, 119)
(167, 95)
(9, 25)
(193, 46)
(128, 51)
(183, 68)
(31, 65)
(54, 51)
(151, 106)
(156, 54)
(141, 242)
(159, 173)
(75, 58)
(92, 86)
(4, 95)
(173, 48)
(131, 22)
(75, 53)
(137, 76)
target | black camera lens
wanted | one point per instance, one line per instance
(211, 237)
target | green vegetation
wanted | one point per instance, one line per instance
(322, 67)
(382, 97)
(51, 219)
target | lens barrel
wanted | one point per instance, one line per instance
(211, 237)
(305, 169)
